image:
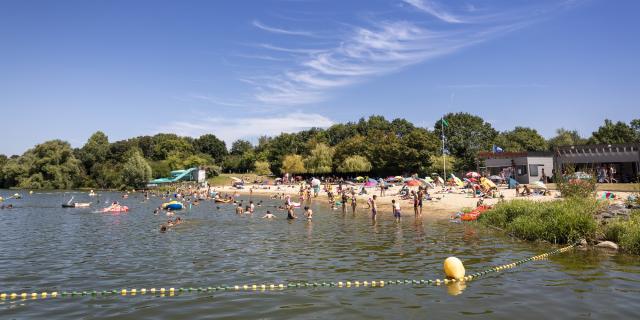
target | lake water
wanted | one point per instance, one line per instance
(44, 247)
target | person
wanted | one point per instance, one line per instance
(308, 213)
(382, 187)
(177, 221)
(353, 201)
(344, 199)
(252, 207)
(239, 209)
(269, 215)
(420, 197)
(396, 209)
(169, 223)
(290, 214)
(163, 228)
(374, 207)
(544, 176)
(415, 202)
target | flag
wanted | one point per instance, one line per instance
(445, 122)
(497, 149)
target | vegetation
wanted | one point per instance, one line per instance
(373, 146)
(625, 232)
(562, 221)
(573, 186)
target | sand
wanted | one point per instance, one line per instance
(443, 205)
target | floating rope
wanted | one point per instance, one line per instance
(281, 286)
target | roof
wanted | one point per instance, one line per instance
(503, 155)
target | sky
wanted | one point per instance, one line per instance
(241, 69)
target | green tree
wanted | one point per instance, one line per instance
(355, 164)
(95, 150)
(51, 165)
(239, 147)
(466, 135)
(262, 168)
(635, 125)
(293, 163)
(565, 137)
(437, 163)
(521, 139)
(165, 144)
(136, 172)
(611, 133)
(210, 144)
(320, 159)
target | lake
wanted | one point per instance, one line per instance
(44, 247)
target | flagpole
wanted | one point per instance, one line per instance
(444, 158)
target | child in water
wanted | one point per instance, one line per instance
(308, 213)
(269, 215)
(396, 209)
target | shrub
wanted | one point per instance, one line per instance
(625, 232)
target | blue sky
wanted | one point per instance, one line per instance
(240, 69)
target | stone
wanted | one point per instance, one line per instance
(583, 242)
(607, 245)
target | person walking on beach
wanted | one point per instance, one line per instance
(374, 207)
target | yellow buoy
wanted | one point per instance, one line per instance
(453, 268)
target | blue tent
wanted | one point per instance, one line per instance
(512, 183)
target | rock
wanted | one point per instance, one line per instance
(607, 245)
(583, 242)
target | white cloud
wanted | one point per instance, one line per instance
(264, 27)
(231, 129)
(434, 9)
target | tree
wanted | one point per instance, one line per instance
(95, 150)
(165, 144)
(293, 164)
(611, 133)
(320, 159)
(437, 163)
(210, 144)
(179, 162)
(635, 125)
(239, 147)
(49, 165)
(355, 164)
(136, 172)
(566, 138)
(262, 168)
(466, 135)
(521, 139)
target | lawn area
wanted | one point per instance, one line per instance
(620, 187)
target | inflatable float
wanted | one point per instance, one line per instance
(173, 205)
(475, 214)
(76, 205)
(115, 209)
(223, 200)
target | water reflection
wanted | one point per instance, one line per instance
(456, 288)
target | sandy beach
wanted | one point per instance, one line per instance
(443, 204)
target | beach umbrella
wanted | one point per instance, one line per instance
(435, 174)
(398, 178)
(235, 179)
(539, 185)
(472, 174)
(278, 179)
(440, 180)
(495, 178)
(474, 180)
(428, 179)
(360, 178)
(315, 182)
(413, 183)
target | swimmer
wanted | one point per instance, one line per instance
(177, 221)
(163, 228)
(290, 214)
(251, 207)
(269, 215)
(239, 209)
(308, 213)
(170, 223)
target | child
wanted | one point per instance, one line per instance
(308, 213)
(396, 209)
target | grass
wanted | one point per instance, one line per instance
(561, 221)
(613, 187)
(625, 232)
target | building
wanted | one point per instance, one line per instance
(524, 167)
(611, 163)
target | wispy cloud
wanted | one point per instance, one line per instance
(232, 129)
(434, 9)
(489, 86)
(264, 27)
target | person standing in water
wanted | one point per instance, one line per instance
(290, 214)
(415, 196)
(396, 209)
(353, 201)
(344, 199)
(308, 213)
(374, 207)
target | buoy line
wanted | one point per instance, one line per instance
(161, 292)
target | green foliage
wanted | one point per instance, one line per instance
(210, 145)
(521, 139)
(320, 160)
(178, 162)
(561, 221)
(466, 135)
(355, 164)
(136, 172)
(436, 164)
(239, 147)
(611, 133)
(49, 165)
(293, 163)
(571, 186)
(566, 138)
(165, 144)
(262, 168)
(625, 232)
(95, 150)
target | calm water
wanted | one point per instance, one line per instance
(46, 248)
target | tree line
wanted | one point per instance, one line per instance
(373, 146)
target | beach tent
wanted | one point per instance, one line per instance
(486, 183)
(371, 183)
(512, 183)
(457, 180)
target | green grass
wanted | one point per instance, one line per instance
(561, 221)
(625, 232)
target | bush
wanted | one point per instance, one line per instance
(572, 186)
(560, 221)
(625, 232)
